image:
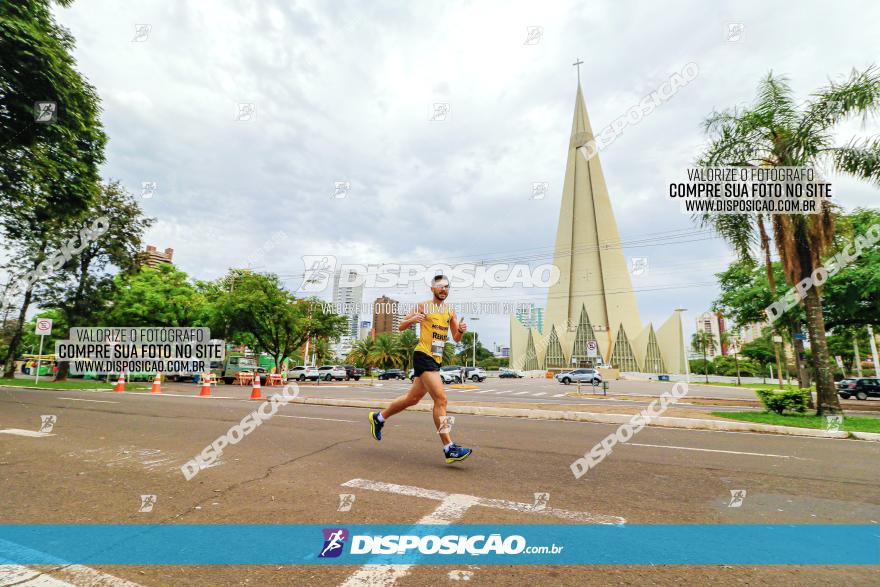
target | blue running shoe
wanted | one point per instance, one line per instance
(457, 453)
(376, 426)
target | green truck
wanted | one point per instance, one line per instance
(227, 370)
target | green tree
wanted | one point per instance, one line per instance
(407, 341)
(386, 352)
(777, 131)
(256, 304)
(730, 340)
(160, 296)
(701, 342)
(362, 353)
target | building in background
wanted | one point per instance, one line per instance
(151, 257)
(713, 323)
(592, 316)
(751, 332)
(365, 331)
(347, 300)
(531, 317)
(386, 317)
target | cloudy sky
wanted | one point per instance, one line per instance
(343, 91)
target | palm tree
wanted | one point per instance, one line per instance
(776, 131)
(385, 352)
(361, 353)
(448, 354)
(730, 340)
(701, 342)
(406, 342)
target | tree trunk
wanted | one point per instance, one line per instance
(826, 394)
(9, 362)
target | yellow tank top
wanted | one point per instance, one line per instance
(433, 331)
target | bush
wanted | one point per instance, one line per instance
(795, 400)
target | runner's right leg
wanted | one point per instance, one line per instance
(411, 398)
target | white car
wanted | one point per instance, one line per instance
(331, 372)
(446, 376)
(303, 372)
(579, 375)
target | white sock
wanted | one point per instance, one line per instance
(446, 448)
(379, 417)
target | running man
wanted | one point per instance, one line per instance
(435, 320)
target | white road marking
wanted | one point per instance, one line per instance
(559, 395)
(521, 393)
(313, 418)
(732, 452)
(97, 401)
(15, 574)
(500, 392)
(484, 391)
(20, 432)
(452, 507)
(541, 393)
(78, 575)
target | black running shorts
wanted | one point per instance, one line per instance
(423, 362)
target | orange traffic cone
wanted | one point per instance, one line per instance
(120, 383)
(157, 384)
(255, 391)
(206, 387)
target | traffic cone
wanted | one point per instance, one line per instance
(206, 387)
(157, 384)
(120, 383)
(255, 391)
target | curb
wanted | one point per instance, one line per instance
(663, 422)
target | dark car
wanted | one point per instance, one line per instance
(509, 374)
(352, 372)
(860, 387)
(393, 374)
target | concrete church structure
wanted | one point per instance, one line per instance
(593, 299)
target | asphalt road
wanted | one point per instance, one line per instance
(109, 449)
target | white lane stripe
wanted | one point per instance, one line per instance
(314, 418)
(541, 393)
(485, 391)
(500, 392)
(15, 574)
(20, 432)
(559, 395)
(521, 393)
(97, 401)
(452, 507)
(78, 575)
(731, 452)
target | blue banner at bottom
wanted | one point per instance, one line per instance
(544, 544)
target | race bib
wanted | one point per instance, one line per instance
(437, 347)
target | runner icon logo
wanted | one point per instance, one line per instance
(334, 541)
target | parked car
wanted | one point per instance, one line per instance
(860, 387)
(453, 371)
(579, 375)
(332, 372)
(392, 374)
(509, 374)
(352, 372)
(475, 374)
(446, 376)
(298, 373)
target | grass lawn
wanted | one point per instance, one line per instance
(769, 385)
(850, 423)
(69, 384)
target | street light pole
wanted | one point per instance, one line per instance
(475, 343)
(687, 367)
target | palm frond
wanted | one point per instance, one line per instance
(860, 159)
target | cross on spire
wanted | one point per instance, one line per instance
(578, 64)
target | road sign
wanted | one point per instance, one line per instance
(44, 326)
(800, 336)
(777, 338)
(839, 360)
(592, 348)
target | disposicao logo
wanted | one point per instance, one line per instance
(334, 541)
